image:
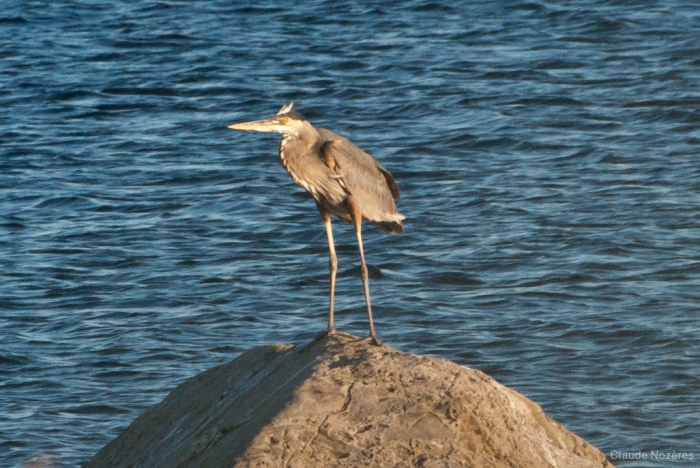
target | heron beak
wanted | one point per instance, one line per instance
(266, 125)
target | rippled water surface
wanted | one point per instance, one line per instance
(548, 154)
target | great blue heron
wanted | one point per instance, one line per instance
(343, 179)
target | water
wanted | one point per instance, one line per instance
(548, 155)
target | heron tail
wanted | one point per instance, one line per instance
(392, 227)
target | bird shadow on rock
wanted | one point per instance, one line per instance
(345, 362)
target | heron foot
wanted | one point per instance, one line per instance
(326, 334)
(374, 341)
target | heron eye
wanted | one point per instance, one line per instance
(285, 120)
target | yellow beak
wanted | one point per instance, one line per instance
(266, 125)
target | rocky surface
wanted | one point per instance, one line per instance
(340, 402)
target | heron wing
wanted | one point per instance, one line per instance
(368, 182)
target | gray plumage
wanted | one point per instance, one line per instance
(332, 169)
(344, 180)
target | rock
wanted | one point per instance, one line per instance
(341, 402)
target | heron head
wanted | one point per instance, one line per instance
(286, 121)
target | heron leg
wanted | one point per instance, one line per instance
(356, 214)
(333, 264)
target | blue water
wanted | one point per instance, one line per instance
(548, 155)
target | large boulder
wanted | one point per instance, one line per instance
(341, 402)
